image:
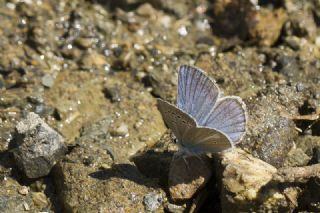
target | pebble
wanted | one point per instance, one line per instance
(120, 131)
(112, 93)
(300, 87)
(47, 80)
(152, 201)
(24, 190)
(40, 199)
(84, 42)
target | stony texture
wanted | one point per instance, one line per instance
(250, 174)
(86, 67)
(187, 175)
(120, 188)
(246, 20)
(296, 157)
(152, 201)
(308, 143)
(270, 133)
(39, 147)
(11, 200)
(243, 179)
(264, 25)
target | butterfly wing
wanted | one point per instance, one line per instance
(178, 121)
(228, 116)
(205, 140)
(197, 93)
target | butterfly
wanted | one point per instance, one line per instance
(203, 121)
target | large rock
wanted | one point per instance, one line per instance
(39, 146)
(271, 132)
(243, 180)
(110, 188)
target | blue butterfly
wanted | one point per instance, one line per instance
(203, 121)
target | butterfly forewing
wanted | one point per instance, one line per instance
(197, 93)
(178, 121)
(202, 140)
(228, 116)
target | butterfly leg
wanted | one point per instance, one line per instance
(183, 155)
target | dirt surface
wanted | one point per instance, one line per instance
(93, 69)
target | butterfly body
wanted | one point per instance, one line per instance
(203, 121)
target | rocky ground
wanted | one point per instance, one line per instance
(79, 126)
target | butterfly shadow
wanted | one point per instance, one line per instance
(149, 169)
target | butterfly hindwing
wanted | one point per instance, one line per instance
(202, 140)
(197, 93)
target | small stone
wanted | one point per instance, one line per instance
(40, 199)
(146, 10)
(120, 131)
(152, 201)
(112, 93)
(293, 42)
(187, 175)
(93, 59)
(24, 190)
(300, 87)
(175, 208)
(182, 31)
(26, 206)
(84, 42)
(39, 147)
(47, 80)
(296, 157)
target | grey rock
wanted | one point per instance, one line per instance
(152, 201)
(39, 146)
(270, 133)
(47, 80)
